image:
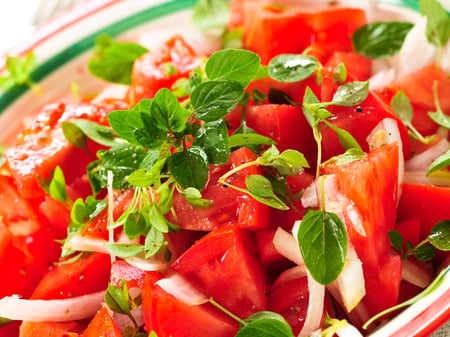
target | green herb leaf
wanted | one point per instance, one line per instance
(190, 168)
(124, 250)
(234, 65)
(345, 138)
(243, 139)
(167, 112)
(381, 39)
(339, 74)
(194, 198)
(19, 71)
(351, 93)
(323, 243)
(396, 240)
(440, 235)
(349, 156)
(100, 134)
(424, 252)
(233, 39)
(260, 188)
(117, 300)
(153, 242)
(214, 99)
(158, 221)
(292, 67)
(113, 61)
(438, 22)
(401, 105)
(213, 138)
(125, 123)
(440, 162)
(265, 324)
(290, 162)
(74, 135)
(210, 14)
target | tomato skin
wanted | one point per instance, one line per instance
(122, 270)
(102, 325)
(84, 276)
(168, 316)
(42, 146)
(357, 65)
(53, 329)
(376, 205)
(427, 203)
(358, 120)
(149, 75)
(227, 253)
(229, 206)
(418, 87)
(409, 230)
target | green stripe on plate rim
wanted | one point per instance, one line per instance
(83, 45)
(411, 4)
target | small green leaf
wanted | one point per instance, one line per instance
(265, 324)
(100, 134)
(345, 138)
(214, 99)
(440, 235)
(153, 242)
(396, 240)
(440, 162)
(339, 74)
(440, 118)
(113, 61)
(135, 225)
(323, 243)
(351, 93)
(260, 189)
(424, 252)
(125, 123)
(213, 138)
(402, 107)
(18, 71)
(194, 198)
(124, 250)
(167, 112)
(243, 139)
(381, 39)
(234, 65)
(292, 67)
(351, 155)
(74, 135)
(190, 167)
(438, 22)
(158, 221)
(116, 300)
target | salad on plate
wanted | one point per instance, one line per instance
(289, 178)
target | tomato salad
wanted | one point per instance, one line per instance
(294, 183)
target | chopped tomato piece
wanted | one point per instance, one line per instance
(223, 265)
(102, 325)
(229, 205)
(122, 270)
(409, 230)
(42, 146)
(168, 316)
(161, 68)
(375, 213)
(87, 275)
(53, 329)
(418, 87)
(357, 65)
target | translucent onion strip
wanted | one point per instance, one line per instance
(86, 244)
(416, 274)
(177, 286)
(61, 310)
(286, 244)
(314, 312)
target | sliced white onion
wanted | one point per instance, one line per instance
(349, 288)
(146, 264)
(416, 274)
(286, 244)
(177, 286)
(314, 312)
(110, 222)
(421, 178)
(309, 197)
(348, 330)
(423, 160)
(61, 310)
(381, 78)
(86, 244)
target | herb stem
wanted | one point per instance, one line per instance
(226, 311)
(224, 177)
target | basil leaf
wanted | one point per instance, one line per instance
(243, 139)
(234, 65)
(214, 99)
(113, 61)
(100, 134)
(396, 240)
(440, 235)
(260, 189)
(351, 93)
(124, 250)
(167, 112)
(440, 162)
(424, 252)
(265, 324)
(292, 67)
(380, 39)
(74, 135)
(323, 243)
(210, 14)
(213, 138)
(190, 168)
(438, 22)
